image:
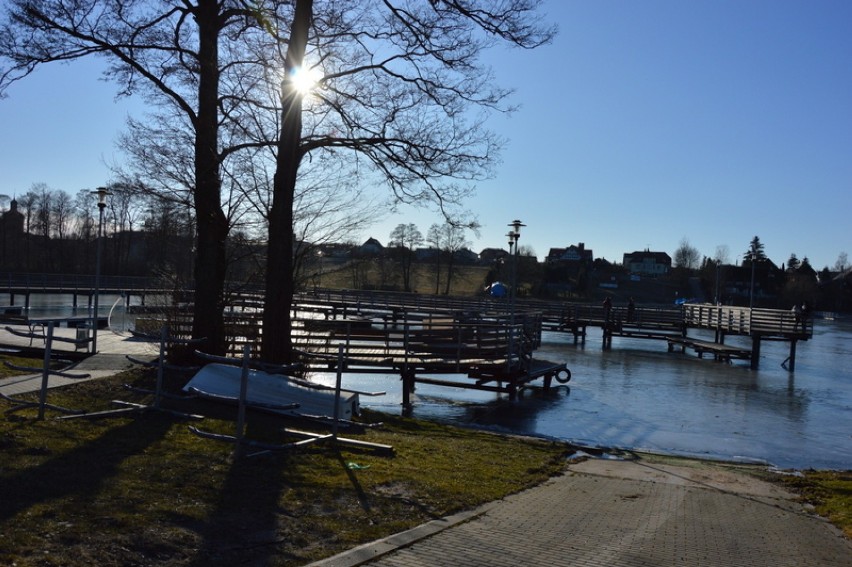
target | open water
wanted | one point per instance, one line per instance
(639, 396)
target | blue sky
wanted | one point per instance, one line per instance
(644, 123)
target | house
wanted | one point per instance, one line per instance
(465, 256)
(648, 263)
(490, 255)
(427, 254)
(575, 254)
(12, 237)
(371, 247)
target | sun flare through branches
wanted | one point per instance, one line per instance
(305, 80)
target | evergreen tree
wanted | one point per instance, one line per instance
(755, 251)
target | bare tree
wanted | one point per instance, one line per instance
(405, 238)
(722, 255)
(399, 85)
(85, 228)
(177, 55)
(686, 256)
(43, 206)
(435, 238)
(454, 242)
(62, 212)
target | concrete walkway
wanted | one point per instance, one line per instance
(111, 358)
(623, 513)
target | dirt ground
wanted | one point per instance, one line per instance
(727, 477)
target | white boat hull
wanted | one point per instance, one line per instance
(270, 390)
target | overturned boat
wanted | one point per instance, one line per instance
(272, 392)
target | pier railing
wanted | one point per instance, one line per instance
(747, 321)
(58, 283)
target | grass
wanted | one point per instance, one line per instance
(144, 490)
(6, 371)
(829, 492)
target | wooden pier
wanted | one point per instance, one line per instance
(380, 313)
(438, 339)
(488, 351)
(721, 352)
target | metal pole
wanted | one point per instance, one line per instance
(97, 279)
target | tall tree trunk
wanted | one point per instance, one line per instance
(438, 273)
(449, 273)
(212, 225)
(277, 344)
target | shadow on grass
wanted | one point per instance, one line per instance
(363, 499)
(79, 472)
(243, 525)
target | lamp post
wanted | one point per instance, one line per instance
(513, 237)
(102, 194)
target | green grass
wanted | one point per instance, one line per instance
(145, 490)
(19, 361)
(830, 493)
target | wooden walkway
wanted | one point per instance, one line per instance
(721, 352)
(378, 319)
(422, 337)
(493, 350)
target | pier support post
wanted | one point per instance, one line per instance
(791, 362)
(512, 389)
(407, 388)
(755, 351)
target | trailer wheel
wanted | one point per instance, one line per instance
(563, 376)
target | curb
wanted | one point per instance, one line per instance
(373, 550)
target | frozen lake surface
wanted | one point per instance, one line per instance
(639, 396)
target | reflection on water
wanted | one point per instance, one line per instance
(640, 396)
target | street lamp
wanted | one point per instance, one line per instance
(102, 194)
(512, 240)
(513, 236)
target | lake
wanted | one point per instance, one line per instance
(639, 396)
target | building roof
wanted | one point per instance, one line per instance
(573, 253)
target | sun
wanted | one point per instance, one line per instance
(305, 80)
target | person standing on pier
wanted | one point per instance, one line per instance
(607, 306)
(631, 309)
(799, 313)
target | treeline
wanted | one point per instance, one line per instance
(52, 231)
